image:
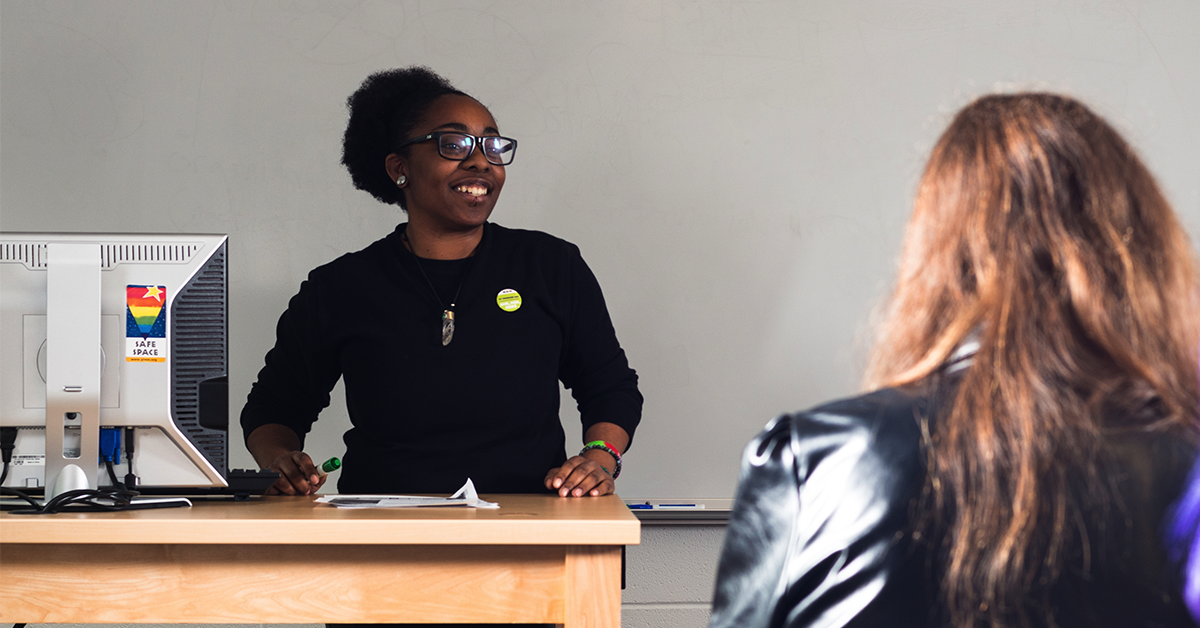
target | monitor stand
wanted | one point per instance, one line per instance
(72, 367)
(70, 478)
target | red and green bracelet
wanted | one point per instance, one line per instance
(612, 451)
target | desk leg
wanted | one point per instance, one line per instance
(593, 582)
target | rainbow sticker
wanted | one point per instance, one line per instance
(145, 324)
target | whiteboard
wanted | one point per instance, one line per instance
(737, 174)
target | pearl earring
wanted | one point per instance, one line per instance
(401, 181)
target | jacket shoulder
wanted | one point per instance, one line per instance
(824, 499)
(877, 428)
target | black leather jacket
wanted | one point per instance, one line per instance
(820, 534)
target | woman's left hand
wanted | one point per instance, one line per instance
(580, 476)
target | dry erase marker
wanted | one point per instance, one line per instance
(333, 464)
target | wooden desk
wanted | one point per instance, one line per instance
(538, 559)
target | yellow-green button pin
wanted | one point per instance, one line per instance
(509, 300)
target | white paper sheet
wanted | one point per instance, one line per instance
(466, 496)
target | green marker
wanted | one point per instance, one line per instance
(333, 464)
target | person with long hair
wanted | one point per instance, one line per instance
(1033, 412)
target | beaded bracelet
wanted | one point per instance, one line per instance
(612, 451)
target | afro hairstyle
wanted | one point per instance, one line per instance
(383, 112)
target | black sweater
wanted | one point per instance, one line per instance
(426, 416)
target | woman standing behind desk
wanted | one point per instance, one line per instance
(451, 333)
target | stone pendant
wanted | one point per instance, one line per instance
(447, 327)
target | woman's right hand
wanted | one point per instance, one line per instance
(297, 475)
(277, 447)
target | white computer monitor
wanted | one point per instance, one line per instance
(123, 333)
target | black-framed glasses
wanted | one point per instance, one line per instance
(458, 146)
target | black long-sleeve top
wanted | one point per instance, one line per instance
(426, 416)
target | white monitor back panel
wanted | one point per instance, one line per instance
(152, 356)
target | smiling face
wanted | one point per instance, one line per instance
(446, 195)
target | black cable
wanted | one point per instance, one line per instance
(86, 499)
(116, 498)
(4, 490)
(8, 440)
(130, 478)
(112, 474)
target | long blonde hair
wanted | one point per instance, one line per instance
(1038, 230)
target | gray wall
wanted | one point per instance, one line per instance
(669, 577)
(736, 173)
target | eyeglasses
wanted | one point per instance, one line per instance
(458, 146)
